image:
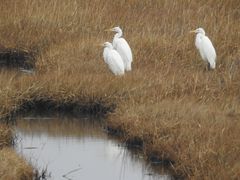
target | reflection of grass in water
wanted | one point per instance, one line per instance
(61, 126)
(177, 109)
(42, 175)
(148, 169)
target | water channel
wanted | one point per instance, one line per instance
(78, 148)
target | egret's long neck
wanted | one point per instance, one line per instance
(118, 34)
(110, 47)
(200, 35)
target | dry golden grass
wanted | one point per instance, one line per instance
(5, 136)
(13, 167)
(180, 111)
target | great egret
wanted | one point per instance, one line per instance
(113, 59)
(205, 47)
(122, 47)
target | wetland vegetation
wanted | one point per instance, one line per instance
(168, 105)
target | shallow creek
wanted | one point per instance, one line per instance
(78, 148)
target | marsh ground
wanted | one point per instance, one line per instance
(169, 102)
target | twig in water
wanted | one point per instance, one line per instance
(72, 171)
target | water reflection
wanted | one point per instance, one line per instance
(72, 148)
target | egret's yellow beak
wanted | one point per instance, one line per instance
(192, 31)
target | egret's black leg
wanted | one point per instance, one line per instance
(209, 67)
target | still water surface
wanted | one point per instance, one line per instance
(73, 148)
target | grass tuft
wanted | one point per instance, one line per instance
(13, 167)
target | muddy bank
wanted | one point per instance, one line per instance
(11, 58)
(98, 108)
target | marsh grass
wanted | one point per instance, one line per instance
(13, 167)
(169, 102)
(5, 136)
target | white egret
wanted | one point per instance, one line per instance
(122, 47)
(113, 59)
(205, 47)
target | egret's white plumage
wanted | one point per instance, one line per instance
(205, 47)
(113, 59)
(123, 48)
